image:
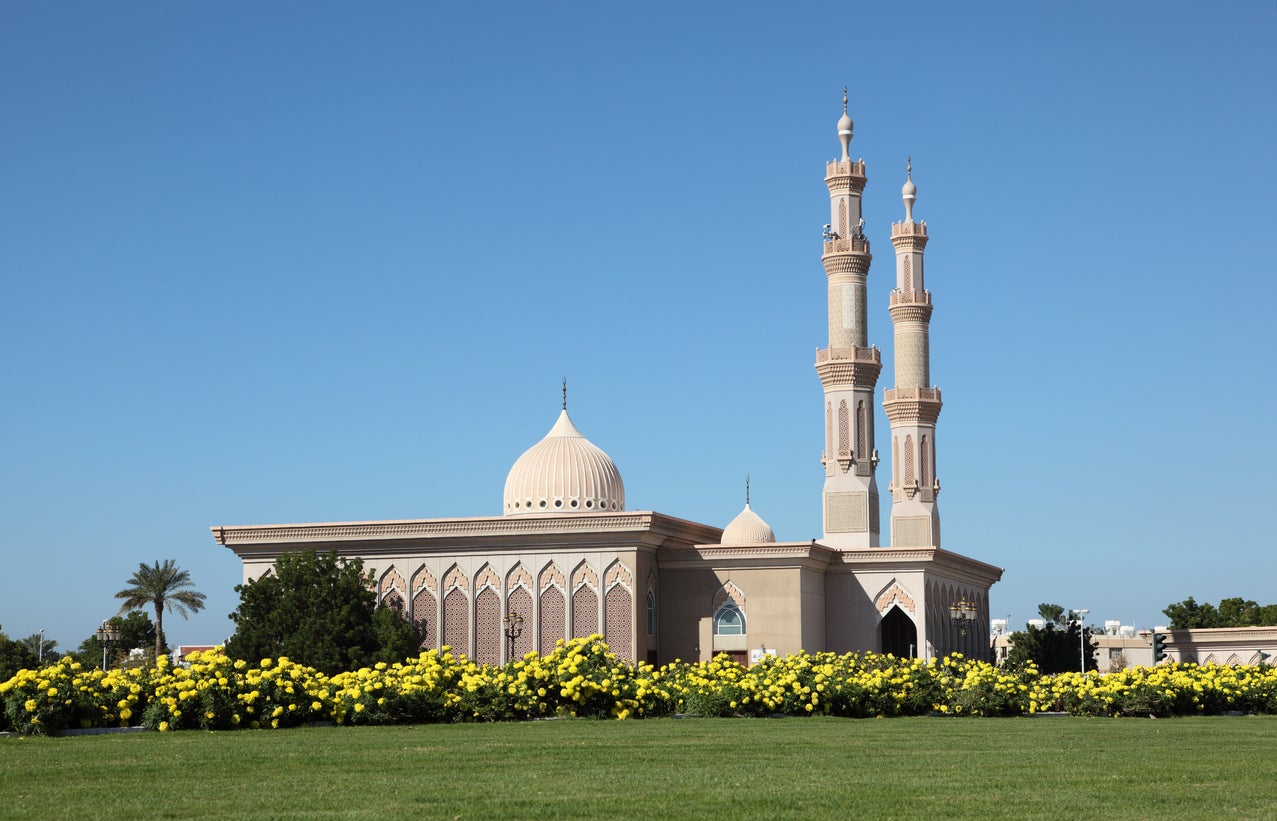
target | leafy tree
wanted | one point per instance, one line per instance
(41, 648)
(14, 656)
(1055, 648)
(319, 610)
(1233, 612)
(396, 638)
(165, 587)
(137, 631)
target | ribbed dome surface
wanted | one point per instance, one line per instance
(563, 473)
(748, 528)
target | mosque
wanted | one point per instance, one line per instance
(565, 558)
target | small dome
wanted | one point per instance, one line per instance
(748, 528)
(563, 473)
(909, 191)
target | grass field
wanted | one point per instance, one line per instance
(691, 768)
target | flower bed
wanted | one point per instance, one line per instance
(582, 678)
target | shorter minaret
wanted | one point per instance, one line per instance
(913, 405)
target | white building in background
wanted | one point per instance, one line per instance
(570, 560)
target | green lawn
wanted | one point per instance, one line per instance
(662, 768)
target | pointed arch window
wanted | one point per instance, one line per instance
(651, 613)
(729, 620)
(829, 428)
(862, 432)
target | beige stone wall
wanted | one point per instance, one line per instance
(782, 606)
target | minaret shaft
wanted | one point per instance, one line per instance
(912, 406)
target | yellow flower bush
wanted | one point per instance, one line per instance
(583, 678)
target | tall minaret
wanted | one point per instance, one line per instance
(912, 405)
(849, 367)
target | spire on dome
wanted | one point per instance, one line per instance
(845, 127)
(565, 393)
(909, 193)
(748, 527)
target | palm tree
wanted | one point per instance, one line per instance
(164, 586)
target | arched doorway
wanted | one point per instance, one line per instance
(897, 634)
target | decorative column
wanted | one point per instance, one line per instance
(849, 367)
(913, 405)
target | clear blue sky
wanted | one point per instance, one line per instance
(310, 261)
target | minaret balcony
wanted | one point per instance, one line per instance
(845, 168)
(912, 406)
(870, 355)
(911, 394)
(850, 245)
(843, 368)
(899, 297)
(909, 229)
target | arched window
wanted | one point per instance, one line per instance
(651, 613)
(729, 620)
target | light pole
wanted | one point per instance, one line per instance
(106, 635)
(40, 653)
(963, 614)
(1081, 636)
(513, 629)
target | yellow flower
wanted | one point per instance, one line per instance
(163, 726)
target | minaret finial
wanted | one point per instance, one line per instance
(909, 192)
(845, 126)
(565, 393)
(746, 491)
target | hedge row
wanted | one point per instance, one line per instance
(583, 678)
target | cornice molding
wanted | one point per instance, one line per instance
(486, 526)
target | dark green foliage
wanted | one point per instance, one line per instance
(318, 610)
(14, 656)
(1233, 612)
(137, 632)
(164, 587)
(1056, 648)
(396, 638)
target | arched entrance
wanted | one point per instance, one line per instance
(897, 634)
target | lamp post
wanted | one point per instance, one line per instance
(513, 629)
(1081, 636)
(963, 614)
(106, 635)
(40, 654)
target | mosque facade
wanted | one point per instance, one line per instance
(565, 558)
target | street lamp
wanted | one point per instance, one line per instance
(1081, 636)
(513, 629)
(963, 614)
(106, 635)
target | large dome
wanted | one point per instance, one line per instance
(563, 473)
(748, 528)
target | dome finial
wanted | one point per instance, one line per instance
(844, 127)
(565, 393)
(909, 192)
(747, 490)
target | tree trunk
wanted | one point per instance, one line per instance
(159, 629)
